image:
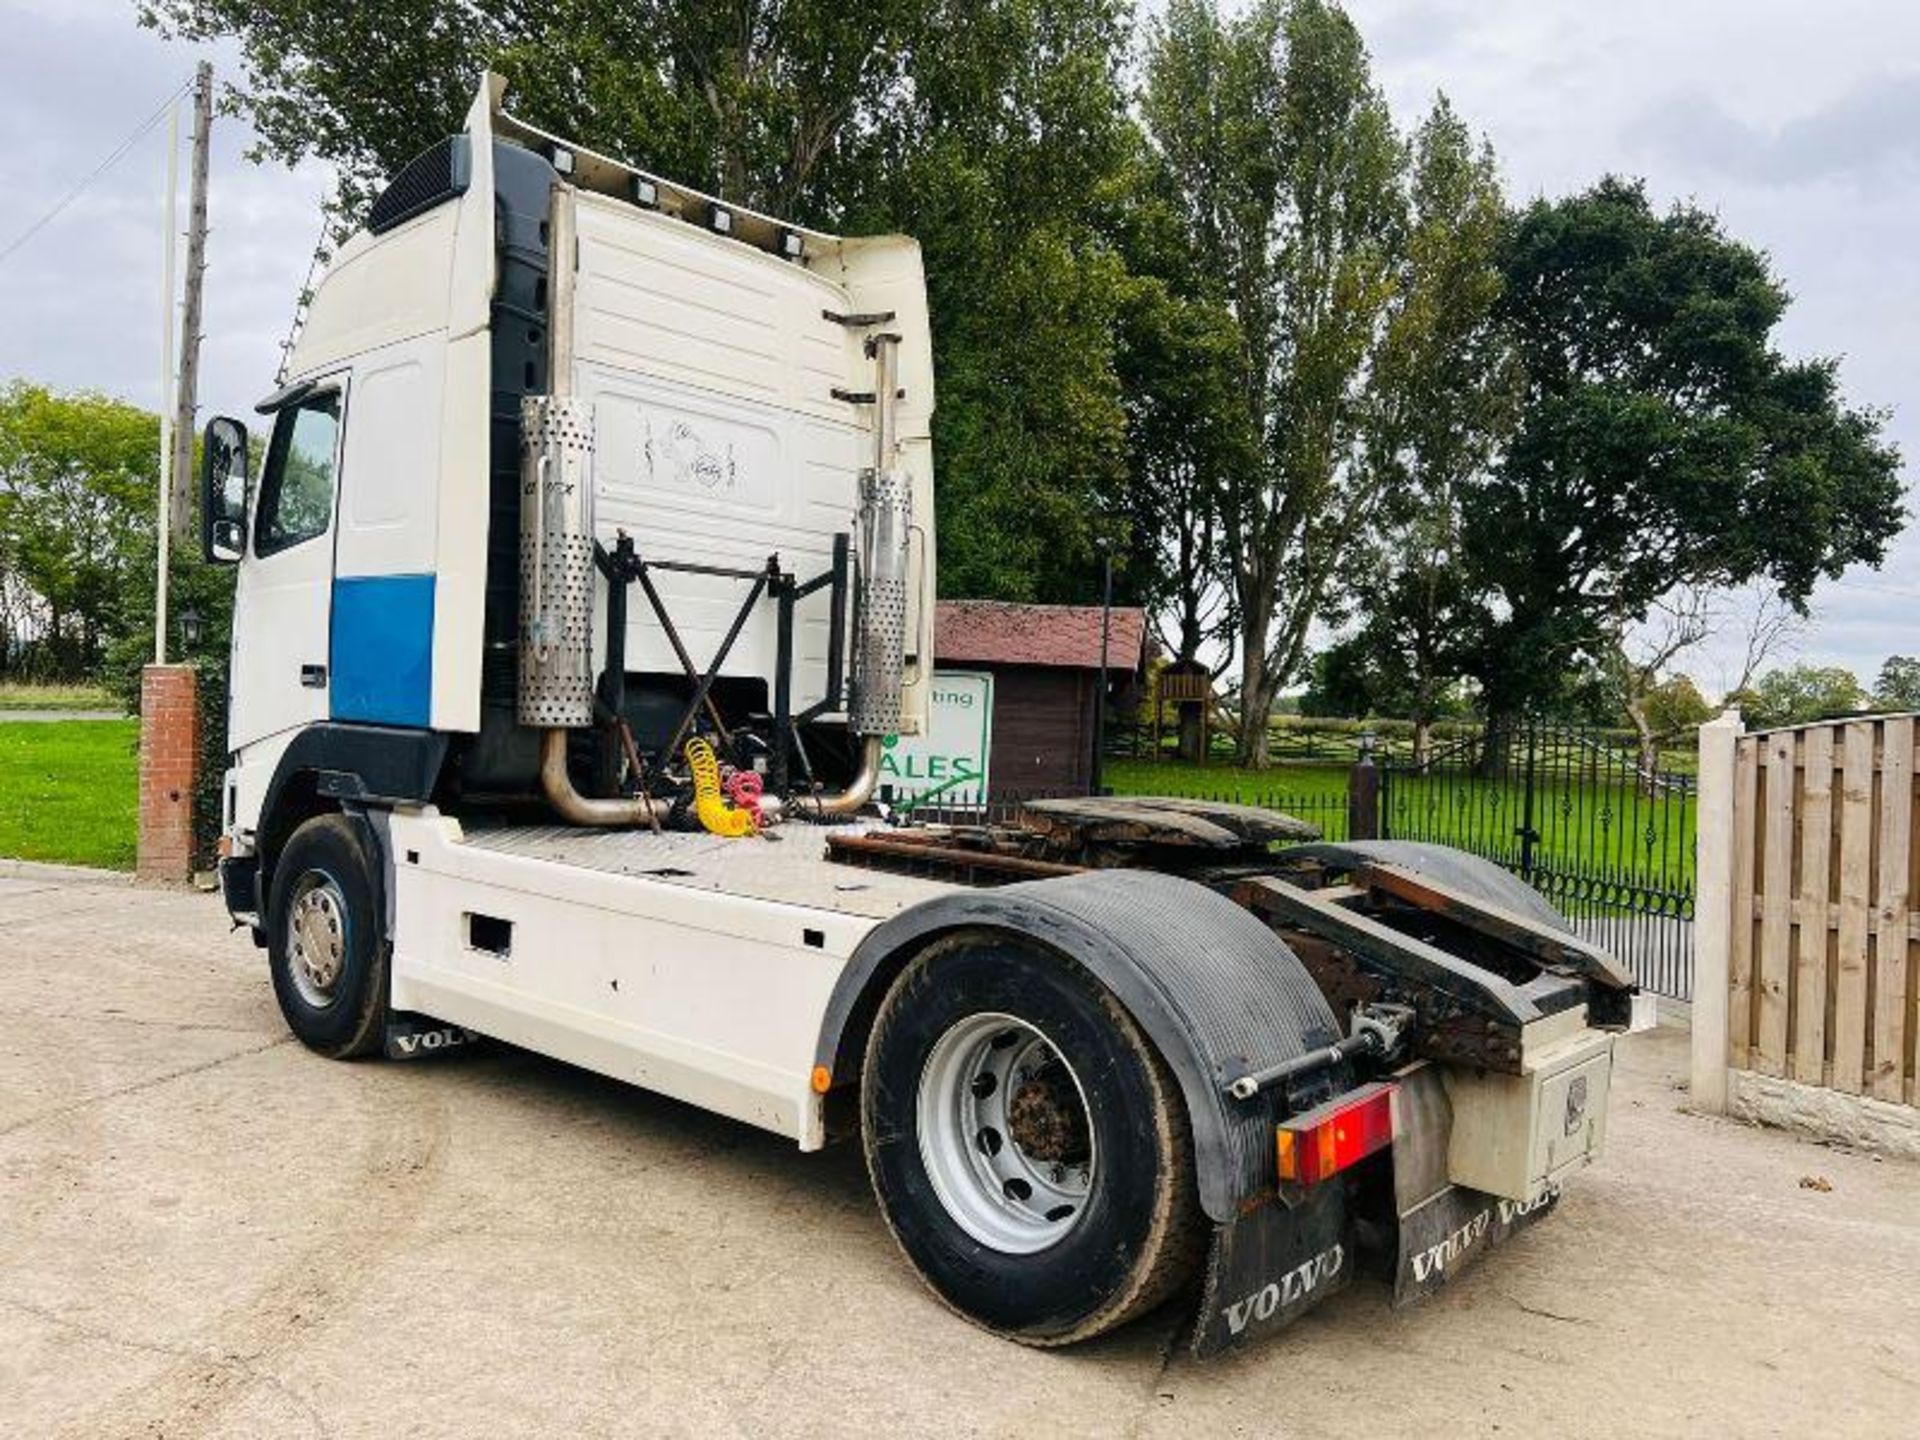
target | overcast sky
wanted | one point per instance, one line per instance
(1798, 123)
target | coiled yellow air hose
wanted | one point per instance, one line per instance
(716, 816)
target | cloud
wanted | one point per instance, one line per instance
(1871, 132)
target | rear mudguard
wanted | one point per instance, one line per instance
(1217, 992)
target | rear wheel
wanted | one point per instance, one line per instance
(1027, 1144)
(325, 949)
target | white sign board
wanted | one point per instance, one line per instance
(947, 765)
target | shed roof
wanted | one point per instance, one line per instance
(997, 632)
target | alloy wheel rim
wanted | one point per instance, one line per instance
(1005, 1134)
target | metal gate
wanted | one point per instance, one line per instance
(1577, 817)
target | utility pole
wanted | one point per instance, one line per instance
(165, 526)
(187, 396)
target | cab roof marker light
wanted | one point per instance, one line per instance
(1340, 1134)
(793, 245)
(646, 192)
(720, 220)
(562, 160)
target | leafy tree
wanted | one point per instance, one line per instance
(994, 130)
(1444, 402)
(1898, 687)
(1675, 706)
(1343, 682)
(1798, 694)
(1187, 431)
(1663, 440)
(1291, 173)
(76, 493)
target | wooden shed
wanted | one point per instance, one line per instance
(1045, 663)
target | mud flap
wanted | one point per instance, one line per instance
(1447, 1232)
(414, 1037)
(1270, 1265)
(1443, 1227)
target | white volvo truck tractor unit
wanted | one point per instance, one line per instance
(590, 565)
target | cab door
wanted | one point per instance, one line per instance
(283, 597)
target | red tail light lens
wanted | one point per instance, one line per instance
(1340, 1133)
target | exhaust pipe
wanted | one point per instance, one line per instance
(880, 617)
(556, 603)
(577, 809)
(859, 790)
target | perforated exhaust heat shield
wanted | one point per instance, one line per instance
(556, 563)
(886, 521)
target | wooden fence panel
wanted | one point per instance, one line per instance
(1856, 900)
(1890, 913)
(1774, 961)
(1808, 854)
(1812, 983)
(1746, 775)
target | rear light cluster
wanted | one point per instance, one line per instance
(1323, 1142)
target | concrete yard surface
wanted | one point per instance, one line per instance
(206, 1230)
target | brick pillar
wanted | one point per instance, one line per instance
(169, 766)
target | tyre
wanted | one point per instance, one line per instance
(325, 948)
(1029, 1147)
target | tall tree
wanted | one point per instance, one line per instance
(1442, 403)
(1187, 433)
(1292, 171)
(1663, 440)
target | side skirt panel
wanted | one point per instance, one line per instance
(710, 998)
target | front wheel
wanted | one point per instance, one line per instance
(324, 942)
(1028, 1145)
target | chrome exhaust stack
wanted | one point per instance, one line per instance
(885, 524)
(886, 518)
(556, 602)
(556, 563)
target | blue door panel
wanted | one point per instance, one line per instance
(383, 649)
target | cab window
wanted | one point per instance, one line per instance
(296, 492)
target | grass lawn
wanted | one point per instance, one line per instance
(18, 696)
(1315, 793)
(70, 791)
(1226, 782)
(1607, 831)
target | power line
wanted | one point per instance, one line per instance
(119, 152)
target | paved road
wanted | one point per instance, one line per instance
(206, 1230)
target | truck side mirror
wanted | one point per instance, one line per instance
(223, 492)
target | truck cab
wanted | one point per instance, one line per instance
(722, 361)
